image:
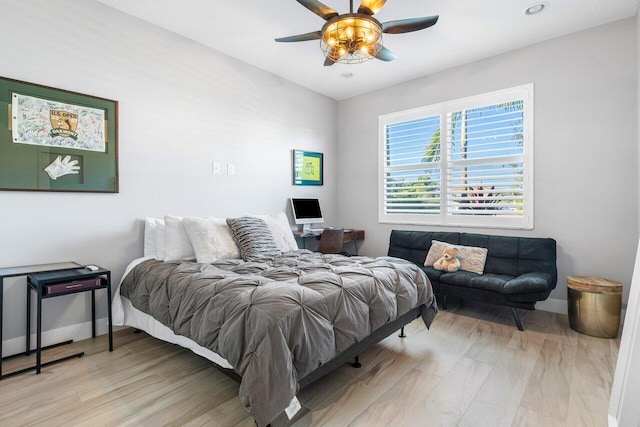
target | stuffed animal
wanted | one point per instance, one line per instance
(448, 262)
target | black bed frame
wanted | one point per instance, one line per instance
(350, 353)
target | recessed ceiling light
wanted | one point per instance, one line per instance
(346, 75)
(536, 8)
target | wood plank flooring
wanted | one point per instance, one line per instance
(473, 368)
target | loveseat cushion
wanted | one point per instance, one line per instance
(414, 245)
(458, 278)
(491, 282)
(528, 283)
(432, 273)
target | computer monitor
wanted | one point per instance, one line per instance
(306, 212)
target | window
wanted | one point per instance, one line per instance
(466, 162)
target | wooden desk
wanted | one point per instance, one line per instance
(350, 235)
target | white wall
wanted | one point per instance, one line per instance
(586, 146)
(181, 107)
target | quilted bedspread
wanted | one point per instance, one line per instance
(276, 321)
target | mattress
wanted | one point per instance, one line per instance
(125, 314)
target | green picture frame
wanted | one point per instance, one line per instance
(56, 140)
(308, 168)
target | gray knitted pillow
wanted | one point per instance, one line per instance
(255, 240)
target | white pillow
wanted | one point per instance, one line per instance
(211, 238)
(151, 236)
(177, 243)
(279, 226)
(161, 240)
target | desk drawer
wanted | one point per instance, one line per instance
(76, 285)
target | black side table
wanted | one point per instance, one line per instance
(57, 283)
(53, 273)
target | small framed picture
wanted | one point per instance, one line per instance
(307, 168)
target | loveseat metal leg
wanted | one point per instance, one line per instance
(444, 302)
(516, 317)
(402, 335)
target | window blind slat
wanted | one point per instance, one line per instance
(396, 146)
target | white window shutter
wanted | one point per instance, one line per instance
(466, 162)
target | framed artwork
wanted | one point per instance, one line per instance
(56, 140)
(307, 168)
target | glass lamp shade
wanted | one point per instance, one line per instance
(351, 38)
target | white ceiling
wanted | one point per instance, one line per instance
(468, 30)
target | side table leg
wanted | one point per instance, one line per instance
(1, 303)
(27, 345)
(109, 315)
(39, 331)
(93, 313)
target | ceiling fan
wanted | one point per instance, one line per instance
(356, 37)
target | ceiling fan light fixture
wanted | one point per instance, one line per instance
(351, 38)
(356, 37)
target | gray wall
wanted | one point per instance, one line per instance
(182, 106)
(586, 146)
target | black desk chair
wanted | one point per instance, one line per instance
(331, 241)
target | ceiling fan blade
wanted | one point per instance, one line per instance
(409, 25)
(328, 62)
(385, 54)
(323, 11)
(371, 7)
(315, 35)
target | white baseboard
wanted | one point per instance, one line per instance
(76, 332)
(562, 307)
(553, 305)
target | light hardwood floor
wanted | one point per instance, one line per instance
(473, 368)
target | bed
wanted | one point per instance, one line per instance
(279, 323)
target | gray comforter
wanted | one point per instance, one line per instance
(277, 321)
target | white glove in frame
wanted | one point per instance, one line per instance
(60, 167)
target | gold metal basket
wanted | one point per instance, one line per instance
(594, 305)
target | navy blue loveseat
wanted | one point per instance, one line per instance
(519, 271)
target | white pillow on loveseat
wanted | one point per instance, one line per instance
(471, 258)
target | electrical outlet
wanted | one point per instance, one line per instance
(215, 168)
(231, 169)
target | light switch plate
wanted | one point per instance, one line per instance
(215, 168)
(231, 169)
